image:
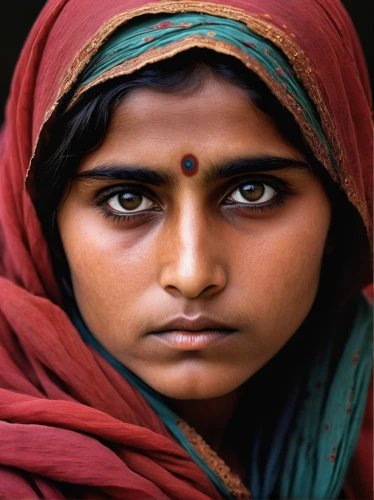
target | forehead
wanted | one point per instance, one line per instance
(216, 104)
(216, 123)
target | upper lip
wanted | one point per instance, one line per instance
(195, 324)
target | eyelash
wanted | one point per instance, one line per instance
(123, 218)
(281, 188)
(106, 194)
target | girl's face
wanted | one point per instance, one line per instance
(194, 282)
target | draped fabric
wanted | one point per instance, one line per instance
(134, 40)
(63, 436)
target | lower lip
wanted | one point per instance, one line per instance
(194, 341)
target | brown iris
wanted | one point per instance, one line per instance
(129, 201)
(252, 192)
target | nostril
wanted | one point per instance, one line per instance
(194, 285)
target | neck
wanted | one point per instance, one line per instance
(209, 417)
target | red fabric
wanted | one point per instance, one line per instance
(61, 435)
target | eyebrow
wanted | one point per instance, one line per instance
(255, 165)
(111, 172)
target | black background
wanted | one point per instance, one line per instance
(17, 17)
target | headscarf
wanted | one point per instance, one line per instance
(106, 439)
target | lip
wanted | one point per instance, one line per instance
(194, 340)
(193, 334)
(197, 323)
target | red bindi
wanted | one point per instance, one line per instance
(189, 164)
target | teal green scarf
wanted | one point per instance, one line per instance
(320, 442)
(137, 38)
(311, 455)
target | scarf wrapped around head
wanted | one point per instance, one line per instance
(63, 436)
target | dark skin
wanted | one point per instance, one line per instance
(240, 242)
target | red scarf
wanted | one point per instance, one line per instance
(61, 434)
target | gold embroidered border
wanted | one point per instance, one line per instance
(286, 43)
(157, 54)
(231, 480)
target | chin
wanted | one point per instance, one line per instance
(201, 393)
(195, 383)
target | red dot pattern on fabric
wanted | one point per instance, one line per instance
(165, 24)
(279, 72)
(250, 45)
(332, 457)
(355, 358)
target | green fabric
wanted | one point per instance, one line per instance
(310, 457)
(326, 431)
(154, 399)
(136, 38)
(338, 401)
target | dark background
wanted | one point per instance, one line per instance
(17, 17)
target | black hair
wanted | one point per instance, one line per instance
(82, 129)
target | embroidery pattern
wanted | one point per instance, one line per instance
(231, 480)
(254, 22)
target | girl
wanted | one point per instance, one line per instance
(184, 208)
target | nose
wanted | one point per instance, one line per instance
(193, 258)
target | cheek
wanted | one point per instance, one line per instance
(110, 269)
(280, 271)
(273, 269)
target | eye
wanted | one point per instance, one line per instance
(129, 201)
(253, 194)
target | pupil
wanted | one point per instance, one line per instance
(252, 192)
(129, 201)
